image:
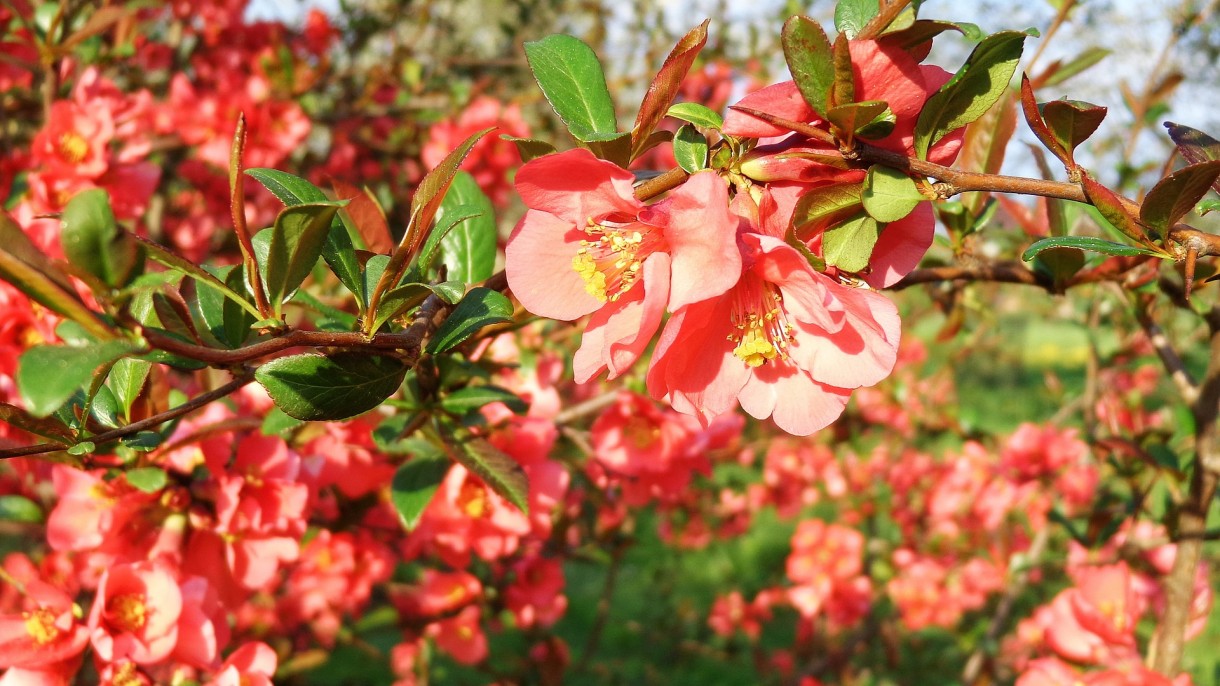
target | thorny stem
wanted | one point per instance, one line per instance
(142, 425)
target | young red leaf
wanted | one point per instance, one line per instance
(665, 86)
(1111, 207)
(1175, 195)
(1033, 117)
(1194, 145)
(1071, 122)
(366, 216)
(843, 89)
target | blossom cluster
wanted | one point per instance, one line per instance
(751, 320)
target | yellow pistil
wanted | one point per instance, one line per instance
(73, 147)
(472, 500)
(128, 612)
(760, 326)
(40, 625)
(126, 675)
(612, 260)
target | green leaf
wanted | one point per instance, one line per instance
(1060, 72)
(24, 266)
(871, 119)
(144, 441)
(105, 408)
(823, 206)
(849, 245)
(924, 30)
(571, 78)
(529, 148)
(94, 242)
(480, 307)
(665, 85)
(1177, 194)
(17, 508)
(690, 149)
(82, 448)
(201, 277)
(1060, 264)
(147, 479)
(314, 387)
(468, 250)
(414, 484)
(496, 469)
(888, 194)
(972, 90)
(399, 301)
(337, 249)
(388, 438)
(1088, 243)
(47, 375)
(465, 400)
(294, 247)
(808, 54)
(1071, 122)
(612, 147)
(277, 423)
(853, 15)
(697, 114)
(1209, 206)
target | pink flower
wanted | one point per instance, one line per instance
(785, 341)
(135, 615)
(253, 664)
(73, 142)
(587, 246)
(46, 635)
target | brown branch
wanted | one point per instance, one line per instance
(1165, 652)
(142, 425)
(659, 184)
(408, 341)
(1170, 359)
(1002, 272)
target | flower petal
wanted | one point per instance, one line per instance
(618, 333)
(901, 246)
(538, 263)
(574, 186)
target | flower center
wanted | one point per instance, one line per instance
(611, 261)
(760, 325)
(40, 625)
(472, 500)
(73, 147)
(128, 612)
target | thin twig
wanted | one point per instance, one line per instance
(1187, 387)
(142, 425)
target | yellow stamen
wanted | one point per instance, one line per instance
(73, 147)
(761, 328)
(613, 260)
(128, 612)
(40, 625)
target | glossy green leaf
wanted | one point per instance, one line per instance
(972, 90)
(699, 115)
(294, 247)
(529, 148)
(853, 15)
(24, 266)
(1177, 194)
(823, 206)
(496, 469)
(337, 249)
(315, 387)
(144, 441)
(808, 54)
(481, 307)
(690, 149)
(415, 483)
(471, 398)
(47, 375)
(849, 245)
(871, 119)
(612, 147)
(1209, 206)
(398, 301)
(147, 479)
(888, 194)
(665, 85)
(571, 78)
(468, 250)
(1060, 264)
(94, 242)
(201, 276)
(18, 508)
(1088, 243)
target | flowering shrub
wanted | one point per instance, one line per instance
(325, 361)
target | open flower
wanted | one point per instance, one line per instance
(785, 341)
(587, 246)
